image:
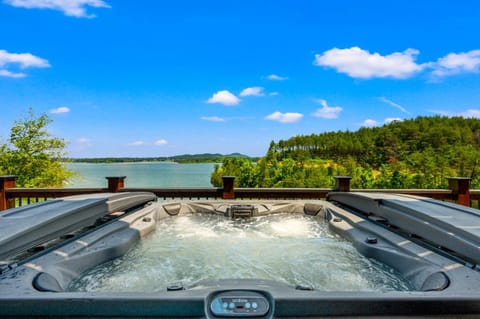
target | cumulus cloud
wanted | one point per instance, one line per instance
(284, 117)
(359, 63)
(136, 143)
(15, 75)
(391, 103)
(224, 97)
(455, 63)
(389, 120)
(327, 112)
(369, 123)
(212, 119)
(60, 110)
(161, 142)
(22, 61)
(72, 8)
(275, 77)
(252, 91)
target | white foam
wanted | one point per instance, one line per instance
(290, 248)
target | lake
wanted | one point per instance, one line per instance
(143, 174)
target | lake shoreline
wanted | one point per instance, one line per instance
(179, 159)
(142, 174)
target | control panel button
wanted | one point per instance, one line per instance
(239, 304)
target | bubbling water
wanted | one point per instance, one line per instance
(291, 248)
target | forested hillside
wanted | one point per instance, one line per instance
(416, 153)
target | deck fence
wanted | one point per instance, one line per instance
(11, 196)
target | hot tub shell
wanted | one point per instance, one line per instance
(444, 281)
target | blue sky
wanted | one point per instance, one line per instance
(161, 78)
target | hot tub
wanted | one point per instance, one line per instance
(433, 246)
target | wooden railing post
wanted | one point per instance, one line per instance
(115, 183)
(342, 183)
(228, 187)
(6, 182)
(460, 187)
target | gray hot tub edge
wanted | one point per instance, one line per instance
(424, 269)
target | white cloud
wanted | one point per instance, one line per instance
(327, 112)
(358, 63)
(252, 91)
(470, 113)
(284, 117)
(136, 143)
(389, 120)
(369, 123)
(83, 142)
(60, 110)
(23, 60)
(391, 103)
(14, 75)
(275, 77)
(212, 119)
(273, 93)
(224, 97)
(455, 63)
(72, 8)
(161, 142)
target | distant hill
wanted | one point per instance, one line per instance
(184, 158)
(205, 158)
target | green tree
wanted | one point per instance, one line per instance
(33, 154)
(415, 153)
(242, 168)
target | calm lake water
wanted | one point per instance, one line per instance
(143, 174)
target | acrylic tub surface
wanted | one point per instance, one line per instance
(441, 283)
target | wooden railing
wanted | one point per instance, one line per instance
(10, 196)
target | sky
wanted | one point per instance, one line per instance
(163, 78)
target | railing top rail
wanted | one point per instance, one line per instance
(50, 192)
(181, 189)
(53, 190)
(457, 191)
(239, 189)
(403, 190)
(281, 190)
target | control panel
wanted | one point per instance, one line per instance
(239, 304)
